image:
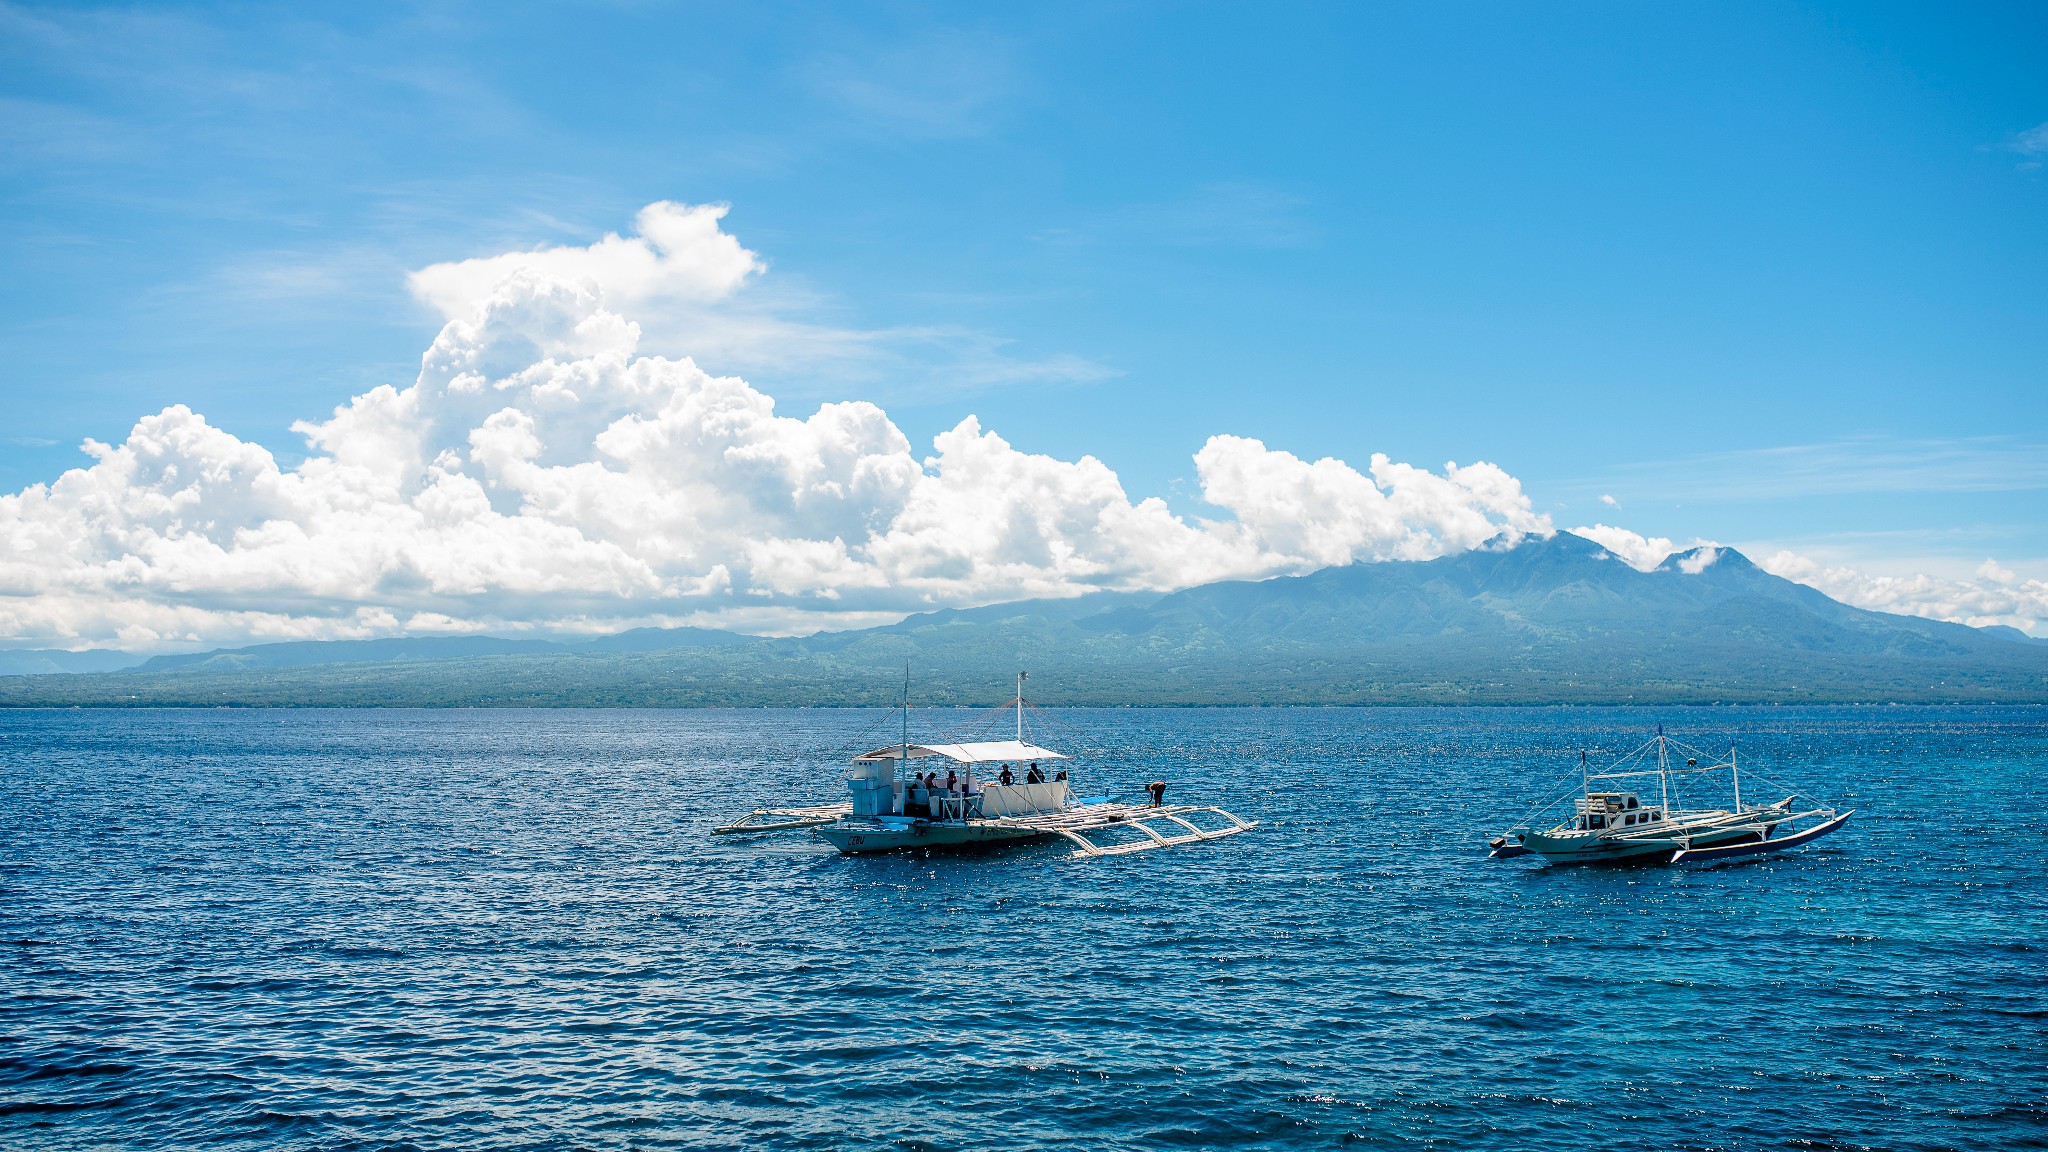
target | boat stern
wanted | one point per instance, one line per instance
(854, 836)
(1509, 846)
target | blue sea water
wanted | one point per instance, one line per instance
(513, 930)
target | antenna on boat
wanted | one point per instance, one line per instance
(1020, 706)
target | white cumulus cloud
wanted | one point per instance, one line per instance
(681, 276)
(680, 253)
(1701, 559)
(1996, 596)
(1318, 514)
(1632, 548)
(542, 473)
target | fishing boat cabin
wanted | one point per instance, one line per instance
(988, 778)
(1601, 810)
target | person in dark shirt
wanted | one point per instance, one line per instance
(1009, 777)
(1035, 776)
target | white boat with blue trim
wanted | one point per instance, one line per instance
(966, 793)
(1608, 823)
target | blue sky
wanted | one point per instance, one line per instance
(1769, 274)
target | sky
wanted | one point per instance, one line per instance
(354, 320)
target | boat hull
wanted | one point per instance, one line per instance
(1707, 854)
(1631, 850)
(856, 837)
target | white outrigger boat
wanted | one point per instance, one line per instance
(1000, 791)
(1610, 826)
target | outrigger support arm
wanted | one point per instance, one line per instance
(1073, 824)
(783, 819)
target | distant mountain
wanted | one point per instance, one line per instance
(1557, 619)
(301, 653)
(1562, 591)
(1547, 621)
(46, 661)
(661, 640)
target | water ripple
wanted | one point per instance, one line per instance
(512, 930)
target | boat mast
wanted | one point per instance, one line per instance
(1735, 774)
(1020, 706)
(906, 714)
(1663, 776)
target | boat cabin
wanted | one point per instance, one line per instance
(959, 781)
(1602, 810)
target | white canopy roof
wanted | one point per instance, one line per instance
(979, 753)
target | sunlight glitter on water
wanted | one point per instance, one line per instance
(512, 930)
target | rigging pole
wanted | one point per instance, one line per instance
(1020, 706)
(1735, 774)
(1663, 776)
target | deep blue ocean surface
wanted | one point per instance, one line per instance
(479, 929)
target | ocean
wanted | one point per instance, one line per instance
(514, 930)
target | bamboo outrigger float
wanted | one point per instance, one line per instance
(783, 819)
(994, 791)
(1624, 827)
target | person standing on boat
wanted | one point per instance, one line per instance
(1008, 778)
(1035, 776)
(952, 782)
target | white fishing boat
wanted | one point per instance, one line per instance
(1610, 822)
(961, 793)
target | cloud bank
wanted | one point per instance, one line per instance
(541, 473)
(1997, 595)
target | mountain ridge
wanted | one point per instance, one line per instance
(300, 653)
(1555, 620)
